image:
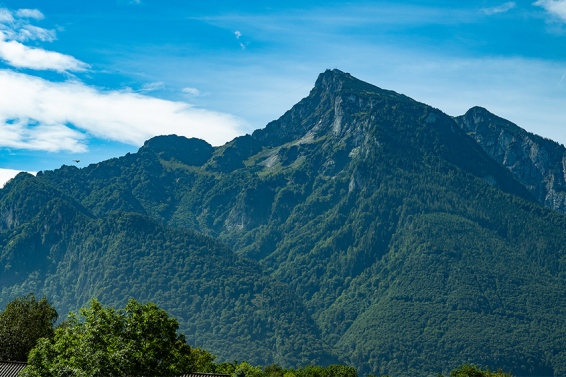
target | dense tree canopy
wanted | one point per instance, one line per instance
(22, 323)
(138, 340)
(469, 370)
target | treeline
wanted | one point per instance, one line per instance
(140, 339)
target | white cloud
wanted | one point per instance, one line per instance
(556, 8)
(30, 13)
(37, 114)
(23, 133)
(27, 32)
(16, 25)
(500, 9)
(152, 86)
(30, 32)
(192, 91)
(43, 115)
(6, 15)
(15, 28)
(7, 174)
(20, 56)
(238, 34)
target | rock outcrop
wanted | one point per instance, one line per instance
(538, 163)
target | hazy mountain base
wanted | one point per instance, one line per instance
(399, 238)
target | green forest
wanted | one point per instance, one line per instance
(362, 228)
(140, 339)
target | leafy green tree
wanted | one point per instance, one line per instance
(135, 341)
(273, 370)
(335, 370)
(22, 323)
(469, 370)
(245, 369)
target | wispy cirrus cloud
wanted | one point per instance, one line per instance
(19, 55)
(500, 9)
(152, 86)
(16, 25)
(238, 35)
(30, 32)
(192, 91)
(15, 29)
(30, 13)
(37, 114)
(556, 8)
(6, 15)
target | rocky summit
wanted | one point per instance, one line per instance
(538, 163)
(362, 227)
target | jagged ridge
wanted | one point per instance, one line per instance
(538, 163)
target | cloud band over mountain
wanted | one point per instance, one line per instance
(40, 114)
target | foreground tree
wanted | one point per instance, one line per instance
(469, 370)
(140, 340)
(22, 323)
(335, 370)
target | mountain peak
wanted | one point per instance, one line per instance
(480, 117)
(332, 79)
(172, 147)
(538, 163)
(335, 80)
(480, 111)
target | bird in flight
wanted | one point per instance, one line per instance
(77, 161)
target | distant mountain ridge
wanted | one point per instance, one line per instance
(361, 226)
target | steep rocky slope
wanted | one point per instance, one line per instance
(538, 163)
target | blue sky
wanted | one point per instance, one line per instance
(91, 80)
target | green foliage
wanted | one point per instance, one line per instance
(335, 370)
(138, 340)
(244, 369)
(22, 323)
(273, 370)
(215, 294)
(469, 370)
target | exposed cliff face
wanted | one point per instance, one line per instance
(538, 163)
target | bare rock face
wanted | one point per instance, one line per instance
(538, 163)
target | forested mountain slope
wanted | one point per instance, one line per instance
(379, 228)
(223, 302)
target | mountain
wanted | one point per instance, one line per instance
(538, 163)
(361, 225)
(53, 246)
